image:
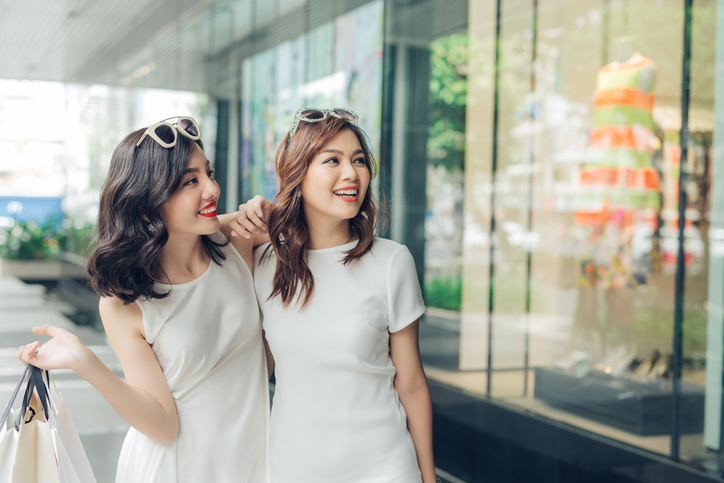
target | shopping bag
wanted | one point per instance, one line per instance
(39, 442)
(27, 454)
(9, 432)
(8, 447)
(35, 457)
(73, 463)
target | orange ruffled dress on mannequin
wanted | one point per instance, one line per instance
(618, 179)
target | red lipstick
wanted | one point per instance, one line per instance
(210, 214)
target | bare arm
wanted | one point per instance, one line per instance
(144, 399)
(411, 385)
(247, 230)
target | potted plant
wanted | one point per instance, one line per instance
(30, 251)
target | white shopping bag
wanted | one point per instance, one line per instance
(8, 447)
(72, 461)
(33, 449)
(35, 460)
(9, 434)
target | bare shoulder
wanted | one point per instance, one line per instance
(115, 307)
(118, 316)
(242, 245)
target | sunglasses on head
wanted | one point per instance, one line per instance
(166, 133)
(312, 114)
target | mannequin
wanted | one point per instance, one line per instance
(626, 53)
(618, 182)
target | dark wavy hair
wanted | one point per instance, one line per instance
(287, 223)
(124, 262)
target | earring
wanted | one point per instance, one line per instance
(151, 229)
(299, 193)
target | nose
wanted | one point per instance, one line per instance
(211, 189)
(348, 172)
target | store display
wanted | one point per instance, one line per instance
(641, 406)
(622, 389)
(644, 367)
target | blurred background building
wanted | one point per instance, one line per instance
(551, 164)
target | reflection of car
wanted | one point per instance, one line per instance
(693, 244)
(515, 235)
(641, 244)
(641, 241)
(475, 236)
(716, 242)
(519, 236)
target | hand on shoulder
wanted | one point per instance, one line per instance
(251, 219)
(247, 228)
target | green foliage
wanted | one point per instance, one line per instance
(444, 292)
(29, 241)
(448, 98)
(77, 237)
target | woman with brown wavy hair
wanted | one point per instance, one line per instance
(341, 309)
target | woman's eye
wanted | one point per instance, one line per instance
(190, 182)
(360, 161)
(331, 160)
(210, 174)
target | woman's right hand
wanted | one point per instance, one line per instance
(63, 351)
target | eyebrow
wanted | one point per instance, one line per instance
(196, 170)
(337, 151)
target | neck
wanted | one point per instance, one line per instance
(624, 52)
(328, 234)
(182, 257)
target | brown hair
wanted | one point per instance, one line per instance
(287, 224)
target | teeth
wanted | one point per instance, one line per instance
(346, 192)
(208, 210)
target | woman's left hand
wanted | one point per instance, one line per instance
(63, 351)
(251, 218)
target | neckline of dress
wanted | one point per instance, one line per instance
(190, 283)
(338, 248)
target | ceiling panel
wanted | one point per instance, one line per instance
(91, 41)
(172, 44)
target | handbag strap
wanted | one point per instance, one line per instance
(36, 382)
(13, 397)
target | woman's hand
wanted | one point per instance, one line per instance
(63, 351)
(252, 218)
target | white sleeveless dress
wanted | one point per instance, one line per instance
(207, 338)
(336, 416)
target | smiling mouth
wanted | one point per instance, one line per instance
(209, 210)
(349, 194)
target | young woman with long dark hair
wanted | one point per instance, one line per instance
(341, 310)
(179, 309)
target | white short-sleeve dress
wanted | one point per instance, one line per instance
(207, 337)
(336, 416)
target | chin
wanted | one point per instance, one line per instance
(351, 215)
(215, 224)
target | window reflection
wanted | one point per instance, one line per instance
(580, 327)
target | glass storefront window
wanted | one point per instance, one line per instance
(569, 217)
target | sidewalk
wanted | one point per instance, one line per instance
(101, 429)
